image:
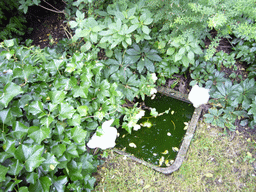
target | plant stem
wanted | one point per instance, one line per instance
(55, 11)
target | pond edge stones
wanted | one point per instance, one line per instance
(186, 140)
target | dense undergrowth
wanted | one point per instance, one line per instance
(53, 99)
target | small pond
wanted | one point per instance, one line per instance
(158, 144)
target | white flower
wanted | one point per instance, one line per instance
(153, 77)
(153, 91)
(140, 114)
(198, 96)
(107, 139)
(136, 127)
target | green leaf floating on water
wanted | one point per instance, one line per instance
(153, 112)
(146, 124)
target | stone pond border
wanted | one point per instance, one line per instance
(186, 141)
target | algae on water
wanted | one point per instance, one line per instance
(159, 138)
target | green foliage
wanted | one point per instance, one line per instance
(184, 50)
(53, 100)
(222, 59)
(127, 26)
(12, 21)
(201, 72)
(232, 101)
(44, 120)
(245, 50)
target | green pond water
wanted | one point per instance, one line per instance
(159, 143)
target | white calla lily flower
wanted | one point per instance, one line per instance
(198, 96)
(107, 139)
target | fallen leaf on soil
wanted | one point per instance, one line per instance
(209, 175)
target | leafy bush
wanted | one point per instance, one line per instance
(53, 100)
(44, 124)
(12, 21)
(50, 104)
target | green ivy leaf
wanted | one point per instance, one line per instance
(32, 177)
(3, 171)
(50, 162)
(31, 155)
(23, 72)
(46, 121)
(24, 100)
(99, 115)
(78, 134)
(57, 96)
(60, 183)
(80, 91)
(15, 168)
(52, 107)
(10, 91)
(74, 170)
(12, 184)
(58, 150)
(75, 121)
(71, 151)
(82, 110)
(6, 116)
(89, 182)
(19, 131)
(43, 184)
(36, 107)
(66, 111)
(38, 134)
